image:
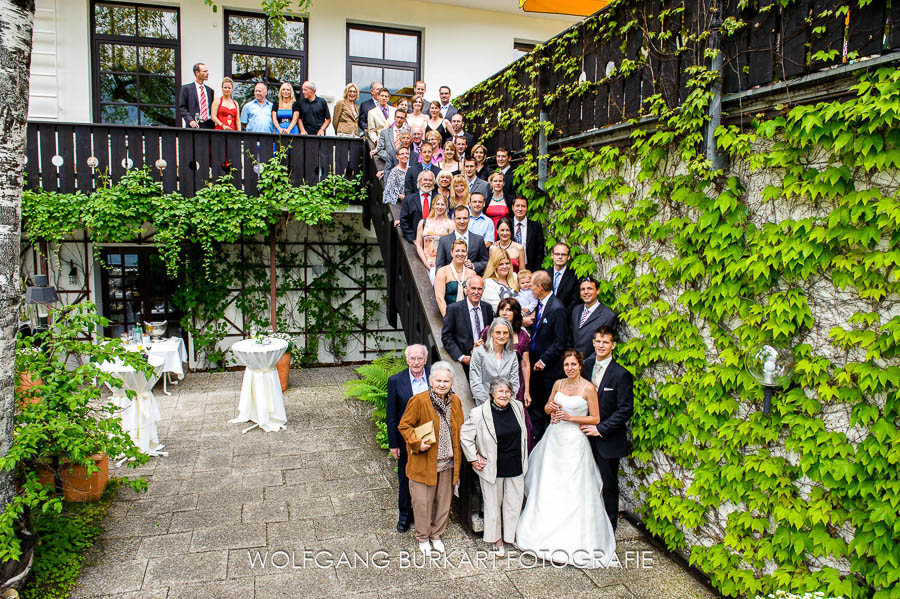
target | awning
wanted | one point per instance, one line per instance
(580, 8)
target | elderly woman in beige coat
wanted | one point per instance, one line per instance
(494, 440)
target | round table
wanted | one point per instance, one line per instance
(173, 353)
(261, 398)
(139, 415)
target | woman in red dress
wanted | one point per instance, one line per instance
(225, 109)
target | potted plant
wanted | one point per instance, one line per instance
(72, 430)
(284, 363)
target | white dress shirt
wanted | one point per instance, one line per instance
(599, 370)
(524, 223)
(589, 310)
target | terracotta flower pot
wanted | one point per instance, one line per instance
(24, 384)
(77, 486)
(284, 369)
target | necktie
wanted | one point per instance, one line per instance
(537, 323)
(204, 109)
(476, 312)
(471, 184)
(384, 109)
(425, 210)
(519, 233)
(556, 277)
(584, 317)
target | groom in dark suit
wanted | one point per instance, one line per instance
(549, 338)
(403, 385)
(615, 398)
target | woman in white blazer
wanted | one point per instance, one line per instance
(494, 441)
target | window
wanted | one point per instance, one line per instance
(520, 49)
(135, 289)
(391, 56)
(134, 63)
(255, 51)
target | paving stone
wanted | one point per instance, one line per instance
(196, 519)
(290, 534)
(306, 583)
(161, 505)
(176, 570)
(227, 589)
(165, 545)
(110, 578)
(138, 525)
(254, 480)
(295, 476)
(162, 593)
(229, 536)
(542, 581)
(265, 511)
(224, 498)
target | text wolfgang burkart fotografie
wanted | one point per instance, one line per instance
(282, 559)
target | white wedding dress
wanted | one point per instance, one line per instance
(564, 519)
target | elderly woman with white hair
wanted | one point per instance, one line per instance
(494, 441)
(496, 357)
(433, 467)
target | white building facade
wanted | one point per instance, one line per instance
(123, 62)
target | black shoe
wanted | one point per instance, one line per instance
(402, 525)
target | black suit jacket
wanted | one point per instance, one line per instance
(477, 252)
(535, 244)
(399, 391)
(364, 109)
(551, 338)
(567, 292)
(411, 214)
(615, 400)
(189, 105)
(412, 173)
(456, 334)
(583, 336)
(508, 183)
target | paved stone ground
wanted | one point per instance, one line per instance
(321, 485)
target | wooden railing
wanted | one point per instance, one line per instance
(410, 296)
(69, 157)
(777, 43)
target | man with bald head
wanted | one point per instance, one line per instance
(464, 322)
(403, 385)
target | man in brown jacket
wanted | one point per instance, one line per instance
(433, 469)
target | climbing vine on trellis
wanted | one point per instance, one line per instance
(192, 234)
(795, 243)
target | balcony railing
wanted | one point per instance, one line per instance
(69, 157)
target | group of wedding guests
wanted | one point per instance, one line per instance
(308, 114)
(549, 425)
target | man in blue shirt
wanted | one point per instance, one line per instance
(479, 223)
(256, 115)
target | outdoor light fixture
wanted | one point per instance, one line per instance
(38, 299)
(771, 367)
(73, 273)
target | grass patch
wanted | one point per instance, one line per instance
(63, 540)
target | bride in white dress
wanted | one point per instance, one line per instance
(564, 520)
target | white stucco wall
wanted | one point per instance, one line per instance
(460, 46)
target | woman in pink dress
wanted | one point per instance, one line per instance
(496, 206)
(225, 109)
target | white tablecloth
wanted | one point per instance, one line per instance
(139, 415)
(261, 399)
(171, 350)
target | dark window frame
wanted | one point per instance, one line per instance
(145, 285)
(231, 49)
(383, 63)
(135, 41)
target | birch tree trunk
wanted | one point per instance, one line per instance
(16, 22)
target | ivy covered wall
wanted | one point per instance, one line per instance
(796, 242)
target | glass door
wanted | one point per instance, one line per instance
(137, 289)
